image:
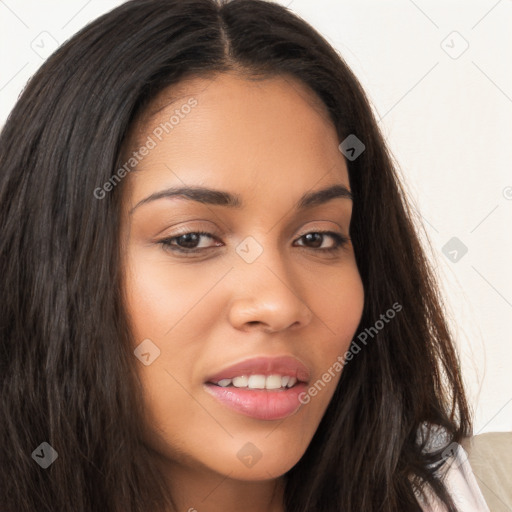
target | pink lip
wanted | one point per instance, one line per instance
(263, 404)
(284, 365)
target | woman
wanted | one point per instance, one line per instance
(213, 295)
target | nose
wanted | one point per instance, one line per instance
(266, 296)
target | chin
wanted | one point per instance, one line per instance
(261, 471)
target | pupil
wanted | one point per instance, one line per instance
(318, 237)
(189, 238)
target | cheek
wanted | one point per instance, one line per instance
(162, 295)
(160, 304)
(339, 308)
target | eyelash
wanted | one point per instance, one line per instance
(340, 240)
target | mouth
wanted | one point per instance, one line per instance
(261, 388)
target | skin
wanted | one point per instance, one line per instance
(270, 141)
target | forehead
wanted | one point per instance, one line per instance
(240, 133)
(234, 88)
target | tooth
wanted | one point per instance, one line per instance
(273, 382)
(256, 382)
(292, 382)
(259, 382)
(241, 382)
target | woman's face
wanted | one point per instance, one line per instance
(262, 284)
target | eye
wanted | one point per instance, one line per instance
(317, 238)
(189, 242)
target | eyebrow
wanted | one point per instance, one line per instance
(227, 199)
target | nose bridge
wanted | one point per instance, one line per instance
(265, 290)
(261, 256)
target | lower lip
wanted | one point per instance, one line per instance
(261, 404)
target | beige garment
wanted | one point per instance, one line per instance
(490, 456)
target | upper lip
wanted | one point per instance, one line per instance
(284, 365)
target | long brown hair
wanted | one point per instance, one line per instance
(68, 375)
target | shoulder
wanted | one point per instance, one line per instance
(457, 475)
(462, 483)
